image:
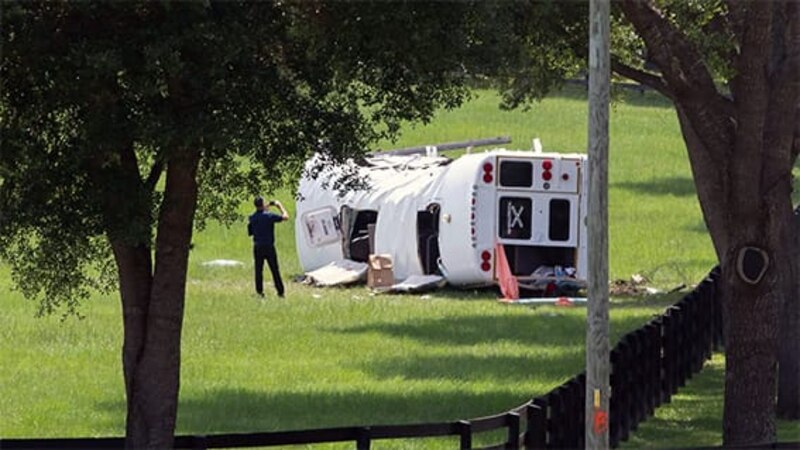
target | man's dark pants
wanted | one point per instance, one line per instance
(267, 252)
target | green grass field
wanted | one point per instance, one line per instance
(337, 357)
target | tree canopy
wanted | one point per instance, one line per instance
(126, 125)
(98, 96)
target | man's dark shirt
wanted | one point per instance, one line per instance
(262, 227)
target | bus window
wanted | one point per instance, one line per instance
(428, 238)
(321, 226)
(558, 229)
(356, 245)
(516, 174)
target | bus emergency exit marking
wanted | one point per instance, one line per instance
(515, 217)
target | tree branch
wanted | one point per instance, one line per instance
(680, 63)
(641, 77)
(748, 85)
(154, 175)
(685, 75)
(783, 91)
(793, 52)
(786, 47)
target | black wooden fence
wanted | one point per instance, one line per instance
(648, 366)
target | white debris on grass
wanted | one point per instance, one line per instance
(223, 263)
(338, 273)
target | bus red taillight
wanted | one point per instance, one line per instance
(488, 173)
(546, 166)
(486, 257)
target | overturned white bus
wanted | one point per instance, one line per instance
(436, 215)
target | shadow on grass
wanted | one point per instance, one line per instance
(692, 419)
(678, 186)
(248, 411)
(660, 301)
(547, 326)
(550, 369)
(697, 227)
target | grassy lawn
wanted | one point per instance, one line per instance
(338, 357)
(694, 416)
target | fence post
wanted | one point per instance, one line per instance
(718, 333)
(536, 433)
(465, 433)
(363, 438)
(198, 443)
(513, 430)
(580, 388)
(704, 318)
(693, 319)
(575, 409)
(567, 415)
(539, 426)
(615, 403)
(642, 368)
(670, 353)
(682, 351)
(554, 423)
(627, 396)
(654, 359)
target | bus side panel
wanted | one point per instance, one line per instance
(462, 197)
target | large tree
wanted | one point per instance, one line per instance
(732, 70)
(743, 138)
(126, 125)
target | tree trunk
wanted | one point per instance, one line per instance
(750, 365)
(153, 302)
(135, 274)
(789, 353)
(751, 311)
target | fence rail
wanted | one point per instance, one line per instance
(648, 365)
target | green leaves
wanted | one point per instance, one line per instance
(98, 97)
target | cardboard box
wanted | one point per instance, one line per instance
(379, 271)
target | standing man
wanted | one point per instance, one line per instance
(262, 227)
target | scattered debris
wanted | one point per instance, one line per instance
(638, 279)
(557, 301)
(419, 283)
(223, 263)
(638, 286)
(337, 273)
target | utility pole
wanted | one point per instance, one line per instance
(598, 363)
